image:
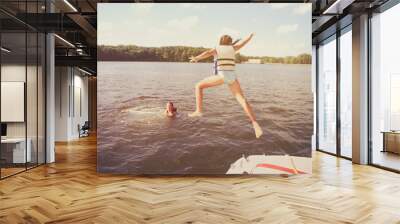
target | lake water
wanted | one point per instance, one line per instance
(134, 137)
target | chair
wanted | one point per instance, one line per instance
(84, 130)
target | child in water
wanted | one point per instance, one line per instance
(225, 56)
(170, 110)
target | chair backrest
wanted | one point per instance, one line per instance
(86, 125)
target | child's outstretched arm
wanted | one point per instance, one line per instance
(204, 55)
(243, 43)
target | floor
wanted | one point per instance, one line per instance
(387, 159)
(70, 191)
(10, 171)
(5, 172)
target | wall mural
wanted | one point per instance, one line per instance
(204, 88)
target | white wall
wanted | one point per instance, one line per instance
(13, 101)
(62, 82)
(70, 83)
(17, 73)
(12, 73)
(33, 127)
(81, 82)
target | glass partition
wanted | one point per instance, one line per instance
(327, 96)
(385, 89)
(13, 94)
(22, 77)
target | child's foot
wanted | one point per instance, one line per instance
(196, 114)
(257, 129)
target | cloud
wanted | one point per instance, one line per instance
(193, 5)
(279, 5)
(299, 45)
(235, 34)
(229, 31)
(142, 8)
(184, 23)
(283, 29)
(104, 26)
(302, 9)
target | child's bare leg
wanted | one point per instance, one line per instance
(238, 93)
(205, 83)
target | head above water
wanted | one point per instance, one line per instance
(170, 107)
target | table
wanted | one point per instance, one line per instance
(391, 141)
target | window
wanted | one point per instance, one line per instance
(385, 89)
(346, 93)
(395, 102)
(327, 96)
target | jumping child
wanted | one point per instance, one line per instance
(225, 56)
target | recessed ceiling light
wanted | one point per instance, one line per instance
(5, 50)
(70, 5)
(84, 71)
(64, 40)
(338, 6)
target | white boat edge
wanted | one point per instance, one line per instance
(271, 164)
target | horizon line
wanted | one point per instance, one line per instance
(124, 45)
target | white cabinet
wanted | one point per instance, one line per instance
(19, 155)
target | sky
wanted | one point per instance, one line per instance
(279, 29)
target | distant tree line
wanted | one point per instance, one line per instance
(181, 54)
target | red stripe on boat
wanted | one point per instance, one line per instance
(280, 168)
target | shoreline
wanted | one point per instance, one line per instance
(179, 62)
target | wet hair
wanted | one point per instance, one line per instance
(225, 40)
(235, 42)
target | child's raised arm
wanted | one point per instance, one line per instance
(204, 55)
(244, 42)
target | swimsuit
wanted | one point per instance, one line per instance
(228, 76)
